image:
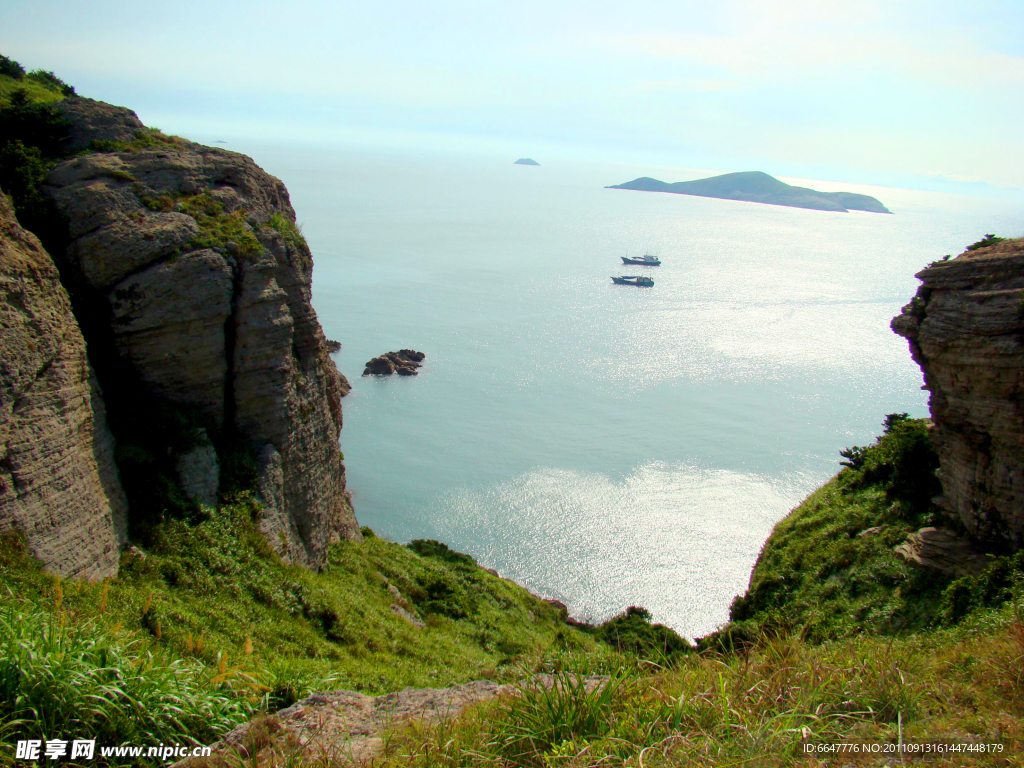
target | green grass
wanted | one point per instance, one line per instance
(289, 231)
(756, 708)
(39, 91)
(212, 610)
(217, 228)
(828, 570)
(147, 138)
(111, 686)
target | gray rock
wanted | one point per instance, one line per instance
(168, 321)
(942, 550)
(409, 616)
(58, 482)
(199, 471)
(114, 251)
(345, 727)
(966, 329)
(97, 121)
(171, 309)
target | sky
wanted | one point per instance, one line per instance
(902, 93)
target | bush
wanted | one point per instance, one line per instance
(985, 242)
(632, 632)
(22, 170)
(436, 549)
(50, 80)
(35, 125)
(444, 595)
(31, 136)
(902, 461)
(11, 68)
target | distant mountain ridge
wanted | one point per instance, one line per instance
(758, 187)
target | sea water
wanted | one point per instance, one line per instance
(601, 444)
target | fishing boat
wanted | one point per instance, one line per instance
(638, 280)
(646, 260)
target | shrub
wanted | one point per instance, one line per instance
(436, 549)
(35, 125)
(444, 595)
(22, 170)
(11, 68)
(50, 80)
(985, 242)
(902, 461)
(632, 632)
(31, 136)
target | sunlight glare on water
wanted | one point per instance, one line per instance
(607, 445)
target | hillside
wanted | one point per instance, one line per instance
(758, 187)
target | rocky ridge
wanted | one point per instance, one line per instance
(59, 485)
(966, 327)
(196, 282)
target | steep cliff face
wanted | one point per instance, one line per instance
(191, 257)
(58, 481)
(966, 331)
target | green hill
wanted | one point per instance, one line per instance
(758, 187)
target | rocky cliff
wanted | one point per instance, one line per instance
(58, 482)
(966, 331)
(196, 283)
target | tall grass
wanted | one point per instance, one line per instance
(89, 681)
(758, 707)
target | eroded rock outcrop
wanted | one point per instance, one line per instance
(58, 482)
(404, 362)
(966, 328)
(194, 255)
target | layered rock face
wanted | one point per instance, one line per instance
(966, 331)
(58, 482)
(194, 253)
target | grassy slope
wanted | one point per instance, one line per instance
(39, 92)
(217, 591)
(761, 708)
(213, 626)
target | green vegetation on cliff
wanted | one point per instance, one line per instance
(31, 135)
(211, 615)
(829, 569)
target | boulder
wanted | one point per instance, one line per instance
(97, 121)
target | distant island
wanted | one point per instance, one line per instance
(758, 187)
(525, 161)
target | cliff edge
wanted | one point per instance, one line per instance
(966, 327)
(190, 277)
(59, 485)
